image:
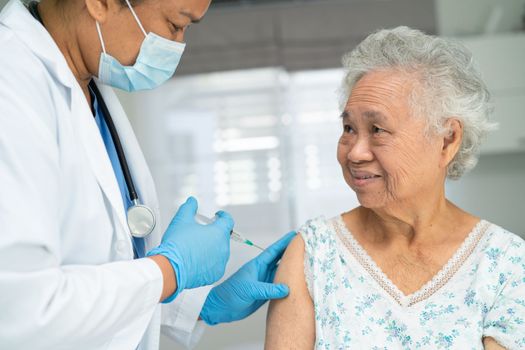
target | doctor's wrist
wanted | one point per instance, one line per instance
(169, 279)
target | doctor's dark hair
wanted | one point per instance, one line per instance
(448, 84)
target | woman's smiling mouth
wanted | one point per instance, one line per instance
(361, 178)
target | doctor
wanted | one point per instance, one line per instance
(78, 268)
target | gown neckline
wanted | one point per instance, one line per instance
(440, 279)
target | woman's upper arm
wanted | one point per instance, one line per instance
(290, 323)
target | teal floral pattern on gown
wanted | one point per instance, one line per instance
(480, 292)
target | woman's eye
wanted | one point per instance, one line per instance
(377, 130)
(347, 129)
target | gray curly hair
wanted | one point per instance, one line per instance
(449, 84)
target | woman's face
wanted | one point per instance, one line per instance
(166, 18)
(383, 151)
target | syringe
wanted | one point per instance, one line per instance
(235, 236)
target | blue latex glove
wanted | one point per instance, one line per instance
(198, 253)
(247, 289)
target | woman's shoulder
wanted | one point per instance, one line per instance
(503, 240)
(501, 274)
(503, 250)
(313, 225)
(320, 226)
(319, 234)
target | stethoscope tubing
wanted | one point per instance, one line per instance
(116, 141)
(141, 219)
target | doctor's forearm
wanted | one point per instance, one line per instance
(169, 285)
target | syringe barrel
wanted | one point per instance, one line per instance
(201, 219)
(235, 236)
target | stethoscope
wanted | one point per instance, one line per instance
(141, 219)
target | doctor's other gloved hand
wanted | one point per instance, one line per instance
(198, 253)
(247, 289)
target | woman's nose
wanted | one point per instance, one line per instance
(360, 151)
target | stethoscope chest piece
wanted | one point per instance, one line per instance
(141, 220)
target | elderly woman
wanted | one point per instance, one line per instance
(407, 269)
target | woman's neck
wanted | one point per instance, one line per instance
(429, 222)
(57, 21)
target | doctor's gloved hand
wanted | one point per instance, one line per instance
(247, 289)
(198, 253)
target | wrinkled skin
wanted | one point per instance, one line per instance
(382, 138)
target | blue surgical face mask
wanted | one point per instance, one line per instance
(156, 62)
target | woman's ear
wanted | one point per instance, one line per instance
(99, 9)
(451, 140)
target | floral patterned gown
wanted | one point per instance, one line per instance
(479, 292)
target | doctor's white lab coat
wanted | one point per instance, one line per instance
(67, 275)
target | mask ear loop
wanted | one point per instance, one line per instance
(100, 37)
(136, 18)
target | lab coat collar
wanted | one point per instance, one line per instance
(18, 18)
(89, 133)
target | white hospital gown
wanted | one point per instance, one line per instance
(479, 292)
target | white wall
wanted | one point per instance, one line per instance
(468, 17)
(494, 190)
